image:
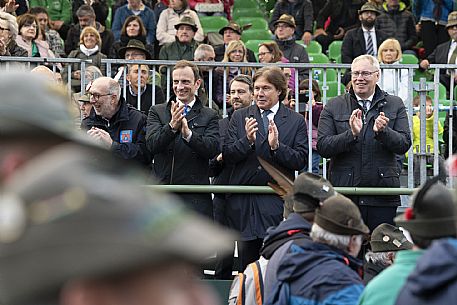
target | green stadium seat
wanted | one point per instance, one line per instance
(253, 44)
(318, 74)
(313, 47)
(318, 58)
(246, 12)
(430, 85)
(409, 59)
(332, 89)
(257, 23)
(418, 74)
(334, 50)
(250, 4)
(256, 35)
(213, 23)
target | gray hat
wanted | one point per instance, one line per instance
(134, 44)
(69, 217)
(433, 212)
(287, 19)
(339, 215)
(308, 185)
(187, 20)
(43, 108)
(451, 19)
(387, 237)
(85, 98)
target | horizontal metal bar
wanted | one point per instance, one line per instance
(252, 189)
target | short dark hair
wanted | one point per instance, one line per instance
(417, 100)
(38, 10)
(304, 85)
(28, 19)
(130, 19)
(274, 76)
(85, 10)
(245, 79)
(273, 48)
(185, 63)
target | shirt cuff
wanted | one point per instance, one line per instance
(188, 138)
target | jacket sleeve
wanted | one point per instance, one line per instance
(293, 157)
(329, 143)
(347, 50)
(158, 134)
(151, 27)
(308, 21)
(446, 134)
(199, 36)
(162, 34)
(207, 144)
(398, 138)
(136, 151)
(117, 24)
(236, 145)
(411, 34)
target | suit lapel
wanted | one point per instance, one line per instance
(362, 41)
(281, 116)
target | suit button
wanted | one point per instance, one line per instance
(382, 174)
(259, 167)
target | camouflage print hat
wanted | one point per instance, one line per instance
(66, 217)
(387, 237)
(232, 26)
(85, 98)
(451, 19)
(288, 19)
(369, 7)
(309, 190)
(339, 215)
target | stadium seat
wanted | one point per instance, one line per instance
(318, 58)
(257, 23)
(332, 89)
(243, 4)
(334, 50)
(318, 74)
(253, 44)
(313, 47)
(409, 59)
(430, 86)
(213, 23)
(246, 12)
(256, 35)
(428, 74)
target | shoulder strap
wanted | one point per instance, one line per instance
(241, 293)
(258, 281)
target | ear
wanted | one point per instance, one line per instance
(198, 83)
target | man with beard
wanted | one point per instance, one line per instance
(362, 40)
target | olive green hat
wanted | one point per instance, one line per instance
(387, 237)
(309, 190)
(187, 20)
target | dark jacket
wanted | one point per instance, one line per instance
(219, 50)
(177, 50)
(399, 24)
(146, 98)
(295, 53)
(434, 281)
(446, 134)
(315, 273)
(343, 13)
(440, 56)
(354, 44)
(252, 214)
(370, 271)
(72, 41)
(368, 160)
(301, 10)
(14, 50)
(127, 129)
(177, 161)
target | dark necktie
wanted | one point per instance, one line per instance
(265, 120)
(370, 49)
(365, 106)
(186, 109)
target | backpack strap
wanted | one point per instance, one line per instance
(241, 300)
(258, 281)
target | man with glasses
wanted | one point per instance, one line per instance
(115, 124)
(362, 131)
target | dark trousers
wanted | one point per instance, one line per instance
(373, 216)
(432, 35)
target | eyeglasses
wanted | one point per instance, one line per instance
(263, 54)
(364, 74)
(97, 96)
(4, 30)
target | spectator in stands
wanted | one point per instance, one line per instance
(134, 50)
(334, 19)
(430, 219)
(29, 31)
(86, 17)
(159, 7)
(145, 89)
(269, 52)
(362, 132)
(46, 33)
(92, 73)
(302, 11)
(183, 136)
(324, 270)
(135, 7)
(85, 106)
(231, 32)
(393, 81)
(274, 132)
(445, 53)
(432, 17)
(100, 8)
(89, 47)
(207, 7)
(15, 8)
(184, 45)
(240, 96)
(398, 22)
(365, 39)
(133, 28)
(114, 124)
(205, 52)
(386, 240)
(295, 53)
(377, 3)
(171, 17)
(8, 33)
(60, 13)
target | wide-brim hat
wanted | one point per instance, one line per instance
(134, 44)
(310, 186)
(451, 19)
(232, 26)
(339, 215)
(285, 18)
(85, 98)
(187, 20)
(387, 237)
(368, 7)
(433, 212)
(76, 217)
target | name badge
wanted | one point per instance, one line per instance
(126, 136)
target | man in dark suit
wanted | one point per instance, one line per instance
(231, 32)
(182, 135)
(362, 40)
(445, 53)
(277, 134)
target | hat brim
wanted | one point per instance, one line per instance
(374, 11)
(286, 22)
(191, 25)
(451, 24)
(336, 228)
(428, 228)
(122, 51)
(221, 31)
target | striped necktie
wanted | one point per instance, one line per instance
(370, 49)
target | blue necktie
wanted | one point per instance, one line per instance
(265, 120)
(186, 110)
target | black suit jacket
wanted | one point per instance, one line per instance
(439, 56)
(354, 44)
(220, 50)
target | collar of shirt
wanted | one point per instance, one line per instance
(365, 30)
(191, 104)
(369, 99)
(133, 93)
(273, 109)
